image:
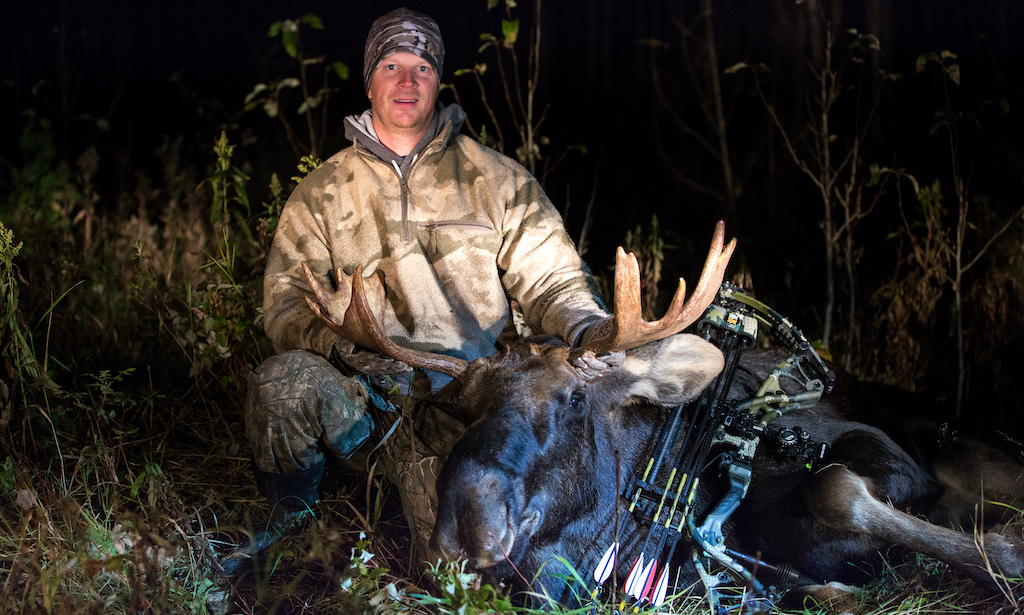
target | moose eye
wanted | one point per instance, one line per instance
(576, 400)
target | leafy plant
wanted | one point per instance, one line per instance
(518, 84)
(462, 592)
(957, 248)
(649, 247)
(699, 53)
(228, 187)
(940, 252)
(270, 96)
(833, 163)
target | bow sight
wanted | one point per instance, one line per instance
(661, 496)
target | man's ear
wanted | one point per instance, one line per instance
(671, 371)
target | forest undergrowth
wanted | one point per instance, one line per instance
(119, 485)
(130, 309)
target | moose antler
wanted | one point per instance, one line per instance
(627, 329)
(363, 327)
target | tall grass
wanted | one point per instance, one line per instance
(129, 319)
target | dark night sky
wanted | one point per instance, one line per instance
(596, 76)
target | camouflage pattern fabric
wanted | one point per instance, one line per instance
(465, 230)
(297, 402)
(299, 405)
(402, 30)
(458, 230)
(412, 459)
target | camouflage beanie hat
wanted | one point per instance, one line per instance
(402, 30)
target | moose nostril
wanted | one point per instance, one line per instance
(530, 523)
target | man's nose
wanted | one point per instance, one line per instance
(408, 78)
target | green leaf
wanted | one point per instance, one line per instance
(923, 59)
(243, 196)
(259, 87)
(953, 70)
(913, 181)
(313, 20)
(242, 224)
(491, 4)
(275, 29)
(215, 211)
(1003, 104)
(340, 69)
(510, 30)
(290, 40)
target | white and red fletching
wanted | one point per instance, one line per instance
(657, 597)
(643, 582)
(607, 564)
(634, 572)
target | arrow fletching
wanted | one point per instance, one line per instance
(660, 588)
(644, 581)
(607, 564)
(634, 573)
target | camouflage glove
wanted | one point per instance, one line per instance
(354, 360)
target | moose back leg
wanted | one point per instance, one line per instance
(843, 500)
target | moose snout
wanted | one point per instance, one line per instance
(480, 517)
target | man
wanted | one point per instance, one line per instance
(458, 230)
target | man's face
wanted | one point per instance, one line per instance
(403, 91)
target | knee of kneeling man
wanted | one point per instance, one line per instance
(300, 378)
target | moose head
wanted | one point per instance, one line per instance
(548, 420)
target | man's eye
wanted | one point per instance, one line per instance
(424, 69)
(390, 67)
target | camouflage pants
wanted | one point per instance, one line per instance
(299, 406)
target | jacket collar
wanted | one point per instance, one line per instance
(447, 121)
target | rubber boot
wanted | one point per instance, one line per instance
(294, 490)
(291, 498)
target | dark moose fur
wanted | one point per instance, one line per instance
(537, 474)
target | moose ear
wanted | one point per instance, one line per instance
(671, 371)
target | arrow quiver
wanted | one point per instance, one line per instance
(661, 494)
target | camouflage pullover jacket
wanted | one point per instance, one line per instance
(458, 230)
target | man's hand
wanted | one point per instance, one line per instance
(590, 365)
(332, 306)
(370, 362)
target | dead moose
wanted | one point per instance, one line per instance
(537, 473)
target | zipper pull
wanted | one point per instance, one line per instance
(432, 242)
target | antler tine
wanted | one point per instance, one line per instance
(363, 327)
(630, 330)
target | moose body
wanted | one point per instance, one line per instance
(553, 432)
(536, 477)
